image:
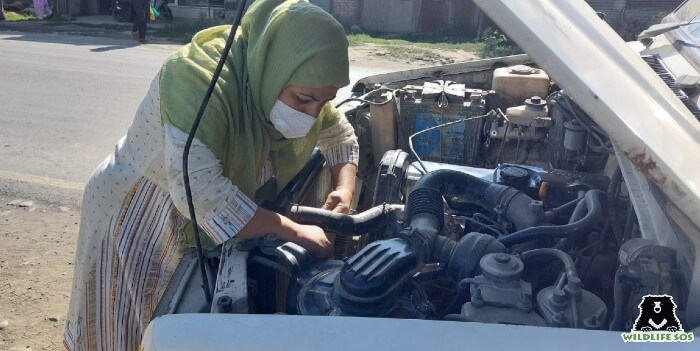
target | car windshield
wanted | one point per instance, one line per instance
(689, 11)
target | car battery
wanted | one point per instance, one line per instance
(437, 103)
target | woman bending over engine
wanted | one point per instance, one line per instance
(270, 108)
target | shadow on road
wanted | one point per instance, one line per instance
(113, 47)
(111, 40)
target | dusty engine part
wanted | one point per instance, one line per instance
(520, 82)
(437, 103)
(526, 122)
(645, 268)
(571, 306)
(575, 142)
(499, 295)
(554, 187)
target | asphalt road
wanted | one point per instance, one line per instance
(64, 102)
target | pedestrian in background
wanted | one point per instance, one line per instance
(42, 9)
(140, 12)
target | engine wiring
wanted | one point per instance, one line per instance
(365, 101)
(410, 138)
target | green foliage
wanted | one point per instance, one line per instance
(421, 41)
(183, 32)
(496, 44)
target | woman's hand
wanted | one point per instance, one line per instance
(314, 240)
(310, 237)
(339, 201)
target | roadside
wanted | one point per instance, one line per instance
(407, 51)
(36, 261)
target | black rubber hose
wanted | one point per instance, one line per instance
(556, 212)
(579, 212)
(593, 217)
(454, 184)
(569, 264)
(344, 224)
(460, 190)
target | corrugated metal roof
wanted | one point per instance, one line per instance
(611, 8)
(663, 5)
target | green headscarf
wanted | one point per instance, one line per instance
(279, 43)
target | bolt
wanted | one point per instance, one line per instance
(559, 297)
(525, 301)
(560, 319)
(477, 299)
(536, 206)
(225, 304)
(591, 322)
(574, 285)
(502, 257)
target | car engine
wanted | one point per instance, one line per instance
(493, 200)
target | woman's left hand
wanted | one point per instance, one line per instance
(339, 200)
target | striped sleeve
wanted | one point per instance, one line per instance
(339, 144)
(231, 220)
(222, 209)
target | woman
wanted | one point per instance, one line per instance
(268, 111)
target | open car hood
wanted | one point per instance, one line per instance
(614, 86)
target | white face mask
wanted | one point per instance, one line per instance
(290, 122)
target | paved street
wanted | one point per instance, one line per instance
(65, 100)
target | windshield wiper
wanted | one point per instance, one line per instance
(662, 28)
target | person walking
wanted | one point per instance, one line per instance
(269, 110)
(140, 14)
(42, 9)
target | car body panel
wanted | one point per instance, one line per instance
(283, 332)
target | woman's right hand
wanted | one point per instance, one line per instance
(310, 237)
(314, 240)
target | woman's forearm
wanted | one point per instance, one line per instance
(343, 176)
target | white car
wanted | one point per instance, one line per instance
(544, 201)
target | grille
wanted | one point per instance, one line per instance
(654, 61)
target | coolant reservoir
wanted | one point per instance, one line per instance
(520, 82)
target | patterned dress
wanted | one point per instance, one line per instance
(133, 214)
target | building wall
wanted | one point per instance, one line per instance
(391, 16)
(347, 12)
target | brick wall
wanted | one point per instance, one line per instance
(347, 12)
